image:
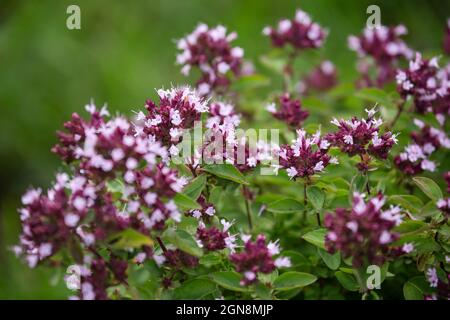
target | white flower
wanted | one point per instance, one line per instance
(348, 139)
(352, 225)
(274, 248)
(271, 108)
(71, 219)
(210, 211)
(385, 237)
(408, 247)
(319, 166)
(292, 172)
(223, 67)
(428, 165)
(283, 262)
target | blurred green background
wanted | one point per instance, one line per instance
(123, 51)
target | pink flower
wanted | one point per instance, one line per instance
(300, 32)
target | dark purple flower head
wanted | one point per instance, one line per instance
(180, 259)
(385, 47)
(300, 32)
(447, 180)
(415, 157)
(321, 78)
(213, 239)
(307, 155)
(178, 109)
(420, 81)
(362, 137)
(364, 232)
(290, 111)
(210, 50)
(446, 43)
(205, 213)
(257, 257)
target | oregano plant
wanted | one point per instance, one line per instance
(190, 197)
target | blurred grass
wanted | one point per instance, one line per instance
(119, 56)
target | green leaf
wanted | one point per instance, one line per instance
(375, 95)
(249, 82)
(358, 184)
(262, 291)
(407, 202)
(293, 280)
(185, 203)
(226, 171)
(129, 238)
(316, 197)
(285, 206)
(194, 289)
(115, 186)
(416, 288)
(229, 280)
(210, 259)
(429, 187)
(333, 261)
(274, 64)
(316, 237)
(410, 226)
(183, 241)
(194, 189)
(348, 281)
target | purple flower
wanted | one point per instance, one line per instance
(213, 239)
(179, 108)
(428, 85)
(257, 257)
(180, 259)
(415, 156)
(384, 46)
(364, 232)
(300, 32)
(447, 180)
(210, 50)
(306, 156)
(362, 137)
(321, 78)
(290, 111)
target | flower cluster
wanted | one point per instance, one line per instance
(290, 111)
(258, 257)
(213, 239)
(428, 85)
(179, 108)
(442, 286)
(362, 137)
(210, 50)
(84, 211)
(415, 157)
(222, 116)
(300, 32)
(321, 78)
(385, 47)
(364, 232)
(307, 155)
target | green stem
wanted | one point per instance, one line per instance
(359, 274)
(248, 209)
